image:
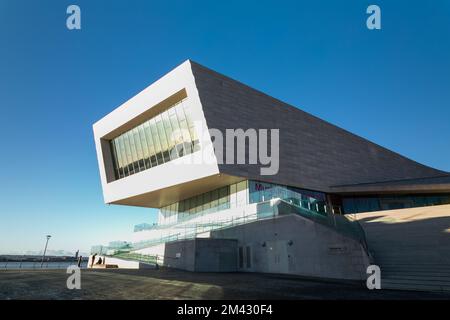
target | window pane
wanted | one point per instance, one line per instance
(165, 137)
(162, 138)
(119, 162)
(139, 152)
(187, 141)
(200, 202)
(181, 206)
(119, 158)
(156, 141)
(123, 153)
(133, 153)
(170, 136)
(191, 127)
(151, 144)
(207, 201)
(233, 195)
(126, 142)
(177, 134)
(214, 199)
(115, 159)
(223, 198)
(192, 204)
(144, 145)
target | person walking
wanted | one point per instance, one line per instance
(93, 259)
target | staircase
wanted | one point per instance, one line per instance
(411, 246)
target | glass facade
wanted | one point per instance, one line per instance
(262, 191)
(212, 201)
(165, 137)
(238, 195)
(367, 204)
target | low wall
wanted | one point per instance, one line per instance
(202, 255)
(295, 245)
(120, 263)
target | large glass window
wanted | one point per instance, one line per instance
(262, 191)
(390, 202)
(165, 137)
(150, 143)
(128, 154)
(184, 128)
(145, 148)
(209, 202)
(224, 198)
(115, 159)
(133, 152)
(157, 141)
(123, 155)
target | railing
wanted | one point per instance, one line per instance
(191, 231)
(155, 259)
(37, 265)
(319, 207)
(341, 223)
(143, 226)
(337, 222)
(184, 219)
(138, 257)
(323, 215)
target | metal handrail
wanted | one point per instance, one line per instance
(219, 224)
(25, 265)
(324, 214)
(328, 218)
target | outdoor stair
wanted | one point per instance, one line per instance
(411, 247)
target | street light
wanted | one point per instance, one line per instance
(45, 249)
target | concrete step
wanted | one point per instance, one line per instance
(438, 279)
(437, 265)
(410, 246)
(414, 285)
(414, 271)
(420, 270)
(443, 277)
(412, 258)
(415, 267)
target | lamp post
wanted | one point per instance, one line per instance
(45, 249)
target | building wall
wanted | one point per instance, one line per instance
(314, 154)
(295, 245)
(202, 255)
(180, 255)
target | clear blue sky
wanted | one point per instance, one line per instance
(390, 86)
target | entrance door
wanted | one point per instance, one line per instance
(277, 258)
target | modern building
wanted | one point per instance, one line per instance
(160, 150)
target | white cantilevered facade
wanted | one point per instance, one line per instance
(145, 189)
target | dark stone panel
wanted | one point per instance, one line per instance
(314, 154)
